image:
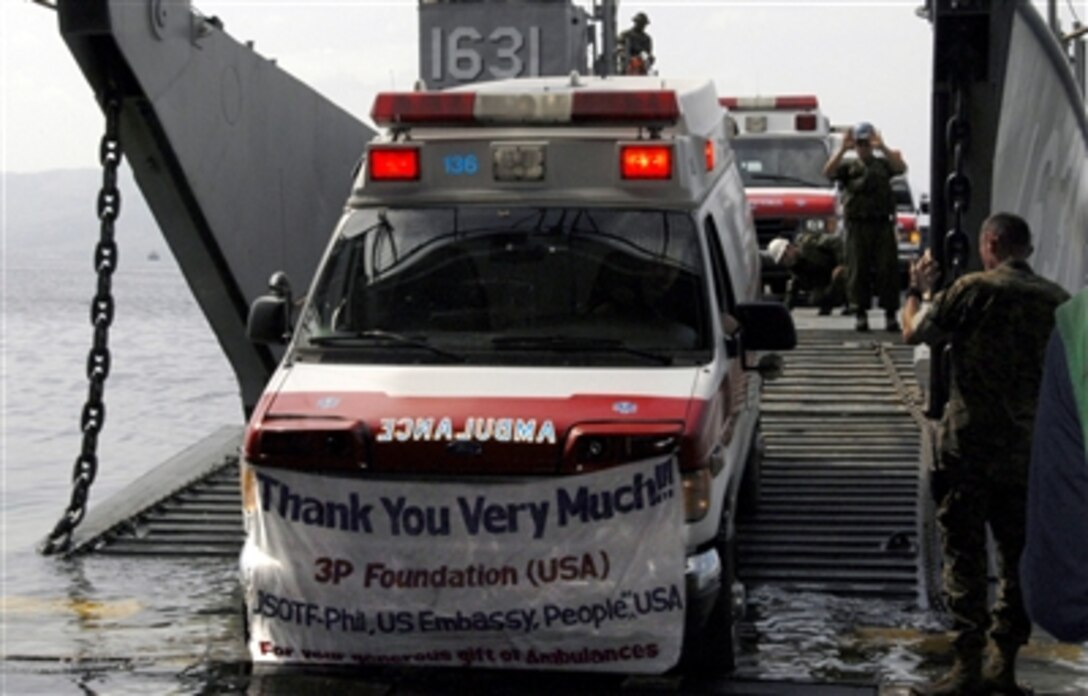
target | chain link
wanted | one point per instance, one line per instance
(93, 416)
(958, 184)
(957, 245)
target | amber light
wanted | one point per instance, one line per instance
(394, 164)
(646, 162)
(697, 489)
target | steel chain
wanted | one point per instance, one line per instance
(958, 184)
(93, 416)
(957, 246)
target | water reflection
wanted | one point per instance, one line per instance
(118, 625)
(805, 637)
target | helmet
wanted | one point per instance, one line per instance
(777, 248)
(640, 18)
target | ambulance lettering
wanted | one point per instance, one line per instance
(474, 429)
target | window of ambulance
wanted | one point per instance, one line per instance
(768, 161)
(491, 285)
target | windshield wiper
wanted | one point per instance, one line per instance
(787, 177)
(575, 344)
(371, 337)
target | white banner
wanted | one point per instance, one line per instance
(574, 573)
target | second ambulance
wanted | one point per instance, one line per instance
(782, 144)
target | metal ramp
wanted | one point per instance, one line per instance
(188, 506)
(838, 497)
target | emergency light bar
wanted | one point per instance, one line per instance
(757, 121)
(646, 107)
(783, 103)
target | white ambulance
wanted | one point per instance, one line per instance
(517, 405)
(782, 143)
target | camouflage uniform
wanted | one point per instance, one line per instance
(869, 212)
(818, 255)
(634, 41)
(999, 322)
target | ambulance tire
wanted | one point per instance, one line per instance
(777, 288)
(245, 625)
(748, 496)
(712, 653)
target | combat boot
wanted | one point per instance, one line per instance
(964, 679)
(890, 321)
(999, 672)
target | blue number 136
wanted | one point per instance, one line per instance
(458, 165)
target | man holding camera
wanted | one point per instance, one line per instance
(869, 215)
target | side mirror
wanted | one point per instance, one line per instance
(269, 318)
(766, 326)
(923, 204)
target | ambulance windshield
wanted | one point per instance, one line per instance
(777, 162)
(511, 286)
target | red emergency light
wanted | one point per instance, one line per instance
(646, 162)
(605, 106)
(420, 108)
(393, 163)
(708, 152)
(780, 103)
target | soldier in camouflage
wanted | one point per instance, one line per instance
(636, 47)
(998, 321)
(869, 215)
(815, 263)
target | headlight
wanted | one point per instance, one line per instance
(696, 486)
(307, 444)
(826, 225)
(598, 451)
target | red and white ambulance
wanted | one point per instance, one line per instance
(516, 408)
(782, 144)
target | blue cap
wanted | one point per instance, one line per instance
(863, 130)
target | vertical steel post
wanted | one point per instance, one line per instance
(1080, 58)
(608, 28)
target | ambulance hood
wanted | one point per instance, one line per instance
(481, 420)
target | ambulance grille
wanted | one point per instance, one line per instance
(769, 228)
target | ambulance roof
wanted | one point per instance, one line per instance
(548, 139)
(777, 116)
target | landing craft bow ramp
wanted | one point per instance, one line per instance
(838, 503)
